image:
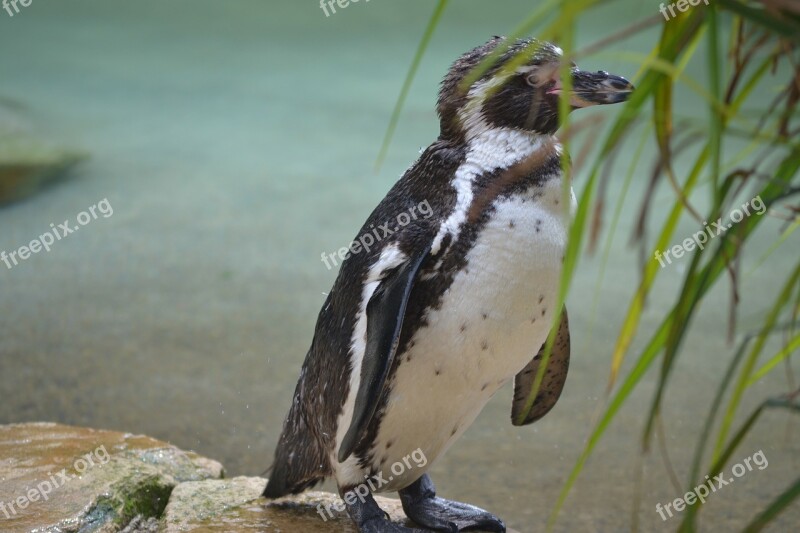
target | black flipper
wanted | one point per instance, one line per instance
(552, 384)
(385, 313)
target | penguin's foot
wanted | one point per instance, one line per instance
(370, 518)
(423, 507)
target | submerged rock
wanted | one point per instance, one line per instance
(56, 478)
(27, 165)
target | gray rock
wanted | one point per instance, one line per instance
(64, 479)
(236, 505)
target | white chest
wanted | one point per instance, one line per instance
(492, 321)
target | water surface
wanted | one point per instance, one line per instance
(236, 143)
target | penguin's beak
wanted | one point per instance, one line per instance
(595, 88)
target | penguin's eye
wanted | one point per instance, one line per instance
(532, 78)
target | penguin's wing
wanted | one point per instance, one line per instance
(385, 312)
(552, 383)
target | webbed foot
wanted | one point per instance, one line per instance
(423, 507)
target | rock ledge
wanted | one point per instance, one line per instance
(63, 479)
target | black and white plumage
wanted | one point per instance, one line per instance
(418, 333)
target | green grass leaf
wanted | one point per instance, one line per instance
(412, 71)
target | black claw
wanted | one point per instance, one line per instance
(423, 507)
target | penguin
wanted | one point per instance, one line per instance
(422, 329)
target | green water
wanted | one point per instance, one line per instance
(236, 142)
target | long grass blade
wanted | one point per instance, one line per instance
(786, 351)
(687, 526)
(769, 324)
(786, 26)
(780, 504)
(412, 72)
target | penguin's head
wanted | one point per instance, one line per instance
(523, 98)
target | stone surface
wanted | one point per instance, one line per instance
(236, 505)
(67, 479)
(63, 479)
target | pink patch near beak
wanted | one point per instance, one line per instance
(555, 89)
(575, 101)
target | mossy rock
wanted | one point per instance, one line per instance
(136, 484)
(64, 479)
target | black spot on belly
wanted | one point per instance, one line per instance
(455, 430)
(484, 386)
(484, 345)
(484, 316)
(463, 327)
(389, 444)
(437, 371)
(544, 311)
(541, 298)
(511, 224)
(533, 320)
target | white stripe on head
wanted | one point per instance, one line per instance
(489, 148)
